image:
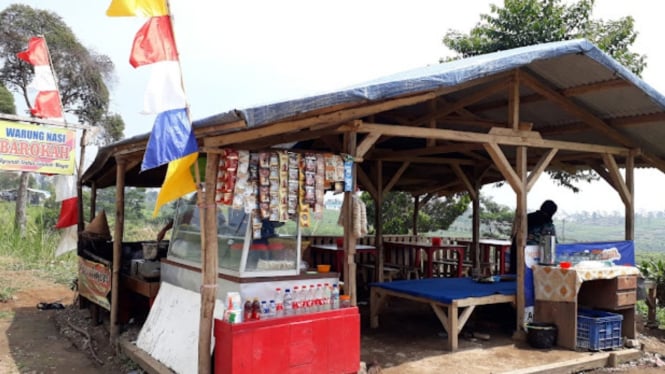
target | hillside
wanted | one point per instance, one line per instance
(594, 227)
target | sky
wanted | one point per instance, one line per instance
(238, 54)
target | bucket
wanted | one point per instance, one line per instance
(541, 335)
(547, 250)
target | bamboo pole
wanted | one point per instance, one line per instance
(117, 245)
(209, 262)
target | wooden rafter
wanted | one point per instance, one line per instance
(395, 178)
(465, 180)
(617, 179)
(463, 136)
(569, 92)
(504, 166)
(575, 109)
(367, 183)
(366, 144)
(540, 167)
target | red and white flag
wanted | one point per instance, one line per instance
(65, 194)
(47, 103)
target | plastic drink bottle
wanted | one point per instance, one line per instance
(334, 297)
(247, 310)
(296, 299)
(256, 309)
(288, 302)
(279, 302)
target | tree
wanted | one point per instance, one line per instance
(397, 212)
(527, 22)
(495, 219)
(82, 74)
(7, 105)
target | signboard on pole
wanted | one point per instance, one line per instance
(37, 148)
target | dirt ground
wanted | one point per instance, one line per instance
(409, 340)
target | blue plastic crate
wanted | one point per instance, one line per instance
(598, 330)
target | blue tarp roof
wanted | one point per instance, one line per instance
(433, 77)
(559, 65)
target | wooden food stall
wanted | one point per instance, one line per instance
(507, 117)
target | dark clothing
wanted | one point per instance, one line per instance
(537, 222)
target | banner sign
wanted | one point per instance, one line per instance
(95, 282)
(37, 148)
(619, 253)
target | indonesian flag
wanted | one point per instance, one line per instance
(47, 103)
(65, 194)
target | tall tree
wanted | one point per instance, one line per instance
(7, 105)
(527, 22)
(82, 74)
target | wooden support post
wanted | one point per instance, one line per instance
(521, 223)
(117, 246)
(630, 185)
(209, 257)
(349, 234)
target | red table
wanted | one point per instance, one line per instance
(458, 249)
(500, 247)
(408, 254)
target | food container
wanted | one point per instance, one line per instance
(323, 268)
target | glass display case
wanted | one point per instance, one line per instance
(247, 247)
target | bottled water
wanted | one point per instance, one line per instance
(272, 308)
(326, 296)
(265, 309)
(279, 302)
(318, 297)
(296, 305)
(288, 306)
(334, 297)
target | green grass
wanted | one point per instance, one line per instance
(6, 315)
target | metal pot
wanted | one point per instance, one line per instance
(547, 250)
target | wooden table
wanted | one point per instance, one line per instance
(447, 297)
(558, 292)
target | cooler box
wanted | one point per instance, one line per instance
(319, 342)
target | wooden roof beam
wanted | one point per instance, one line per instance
(568, 92)
(367, 183)
(463, 136)
(540, 167)
(617, 179)
(439, 149)
(465, 180)
(576, 110)
(504, 166)
(395, 178)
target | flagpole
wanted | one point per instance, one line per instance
(209, 256)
